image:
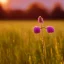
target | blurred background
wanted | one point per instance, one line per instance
(31, 9)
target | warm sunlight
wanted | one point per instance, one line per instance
(25, 4)
(3, 1)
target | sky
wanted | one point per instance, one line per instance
(25, 4)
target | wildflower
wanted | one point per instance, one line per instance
(36, 29)
(40, 19)
(50, 29)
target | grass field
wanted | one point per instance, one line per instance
(19, 44)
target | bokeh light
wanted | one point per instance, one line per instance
(4, 3)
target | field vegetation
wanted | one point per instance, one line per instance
(20, 45)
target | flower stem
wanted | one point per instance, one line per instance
(43, 27)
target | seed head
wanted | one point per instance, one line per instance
(40, 19)
(36, 29)
(50, 29)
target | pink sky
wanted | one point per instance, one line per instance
(24, 4)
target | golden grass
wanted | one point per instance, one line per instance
(19, 45)
(29, 24)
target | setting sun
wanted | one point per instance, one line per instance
(3, 1)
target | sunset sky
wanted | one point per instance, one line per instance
(25, 4)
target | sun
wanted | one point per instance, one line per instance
(3, 1)
(4, 4)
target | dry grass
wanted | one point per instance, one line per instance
(19, 45)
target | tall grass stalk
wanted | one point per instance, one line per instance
(26, 48)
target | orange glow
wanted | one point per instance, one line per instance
(25, 4)
(4, 3)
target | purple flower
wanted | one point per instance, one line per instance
(50, 29)
(36, 29)
(40, 19)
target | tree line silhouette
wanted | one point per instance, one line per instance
(32, 14)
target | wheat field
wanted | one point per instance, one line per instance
(20, 45)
